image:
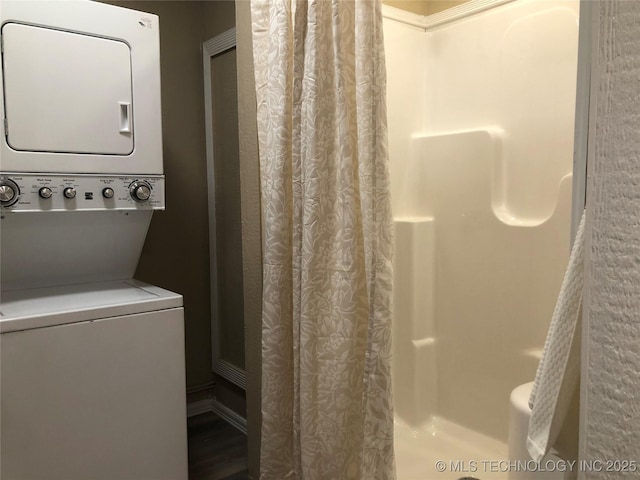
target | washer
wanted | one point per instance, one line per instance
(92, 381)
(92, 369)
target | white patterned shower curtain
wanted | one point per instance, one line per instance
(326, 213)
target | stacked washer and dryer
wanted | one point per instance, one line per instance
(92, 377)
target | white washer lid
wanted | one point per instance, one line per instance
(44, 307)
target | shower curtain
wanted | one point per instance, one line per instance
(326, 384)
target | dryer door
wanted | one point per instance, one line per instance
(67, 92)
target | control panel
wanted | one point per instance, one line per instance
(30, 192)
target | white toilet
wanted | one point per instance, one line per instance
(519, 413)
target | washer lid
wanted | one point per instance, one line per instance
(45, 307)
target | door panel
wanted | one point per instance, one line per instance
(74, 90)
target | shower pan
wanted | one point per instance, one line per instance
(481, 107)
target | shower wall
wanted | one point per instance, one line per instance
(481, 114)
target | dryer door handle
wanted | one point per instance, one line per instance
(126, 125)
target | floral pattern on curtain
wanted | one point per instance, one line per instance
(327, 240)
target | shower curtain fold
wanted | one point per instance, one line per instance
(326, 342)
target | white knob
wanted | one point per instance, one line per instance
(69, 192)
(107, 192)
(7, 193)
(143, 193)
(45, 192)
(140, 190)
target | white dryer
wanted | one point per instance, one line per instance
(92, 381)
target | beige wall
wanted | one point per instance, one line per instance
(251, 231)
(217, 18)
(414, 6)
(424, 7)
(176, 252)
(611, 381)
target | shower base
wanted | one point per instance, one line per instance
(418, 452)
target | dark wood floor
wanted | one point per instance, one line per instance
(217, 450)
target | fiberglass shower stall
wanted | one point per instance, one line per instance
(481, 106)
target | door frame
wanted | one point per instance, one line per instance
(587, 85)
(212, 47)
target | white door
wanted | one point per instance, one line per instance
(67, 92)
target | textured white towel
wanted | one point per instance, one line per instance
(559, 370)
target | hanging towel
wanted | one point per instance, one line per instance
(558, 373)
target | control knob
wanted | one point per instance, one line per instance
(69, 192)
(45, 192)
(9, 192)
(140, 190)
(107, 192)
